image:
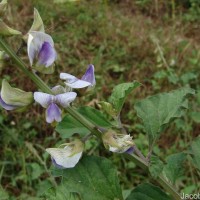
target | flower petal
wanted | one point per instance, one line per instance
(55, 164)
(78, 84)
(43, 99)
(89, 75)
(65, 99)
(6, 106)
(53, 112)
(130, 150)
(63, 158)
(47, 55)
(67, 77)
(73, 82)
(36, 40)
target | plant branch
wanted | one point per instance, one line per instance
(95, 130)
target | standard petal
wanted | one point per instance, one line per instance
(36, 40)
(47, 55)
(89, 75)
(53, 113)
(65, 99)
(63, 158)
(6, 106)
(43, 99)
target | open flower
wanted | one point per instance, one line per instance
(118, 143)
(87, 80)
(67, 155)
(41, 51)
(14, 98)
(52, 103)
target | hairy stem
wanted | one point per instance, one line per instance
(95, 130)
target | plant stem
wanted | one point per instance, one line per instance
(95, 130)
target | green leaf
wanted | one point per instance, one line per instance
(156, 166)
(3, 194)
(120, 92)
(147, 191)
(108, 108)
(195, 116)
(37, 23)
(7, 31)
(159, 110)
(68, 126)
(174, 167)
(36, 171)
(92, 178)
(60, 193)
(195, 152)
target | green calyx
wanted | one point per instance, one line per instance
(14, 96)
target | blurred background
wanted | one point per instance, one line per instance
(155, 42)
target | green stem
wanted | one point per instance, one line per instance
(95, 131)
(160, 179)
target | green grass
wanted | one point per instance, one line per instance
(130, 40)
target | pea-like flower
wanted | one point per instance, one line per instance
(13, 98)
(41, 51)
(67, 155)
(116, 142)
(87, 80)
(52, 103)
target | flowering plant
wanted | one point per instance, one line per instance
(90, 177)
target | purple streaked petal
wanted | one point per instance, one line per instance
(53, 112)
(6, 106)
(89, 75)
(47, 55)
(130, 150)
(43, 99)
(65, 99)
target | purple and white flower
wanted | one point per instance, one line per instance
(68, 155)
(87, 80)
(41, 51)
(52, 103)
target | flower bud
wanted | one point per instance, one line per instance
(14, 96)
(67, 155)
(116, 142)
(41, 52)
